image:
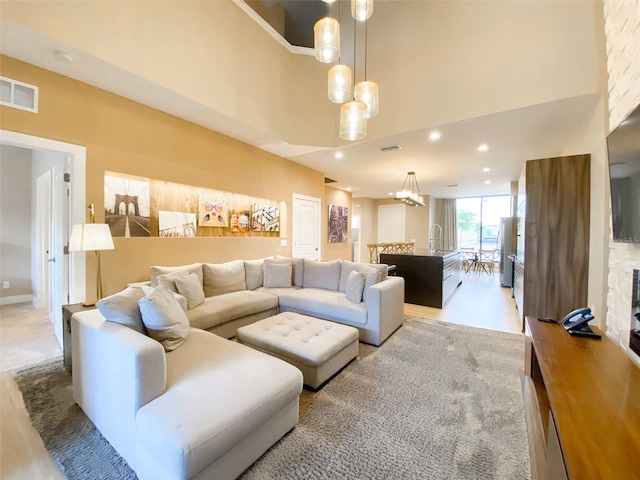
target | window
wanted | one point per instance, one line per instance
(479, 221)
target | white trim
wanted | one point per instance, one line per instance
(78, 195)
(16, 299)
(12, 104)
(272, 31)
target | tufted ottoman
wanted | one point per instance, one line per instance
(319, 348)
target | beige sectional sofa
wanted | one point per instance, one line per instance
(238, 293)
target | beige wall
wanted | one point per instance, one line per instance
(368, 232)
(622, 27)
(126, 137)
(335, 251)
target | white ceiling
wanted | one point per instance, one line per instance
(512, 137)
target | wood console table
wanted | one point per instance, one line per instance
(582, 404)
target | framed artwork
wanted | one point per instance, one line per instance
(213, 210)
(176, 224)
(338, 224)
(265, 218)
(126, 205)
(240, 220)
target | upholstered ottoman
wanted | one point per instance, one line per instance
(319, 348)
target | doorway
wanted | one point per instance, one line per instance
(306, 227)
(61, 275)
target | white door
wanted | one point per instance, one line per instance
(391, 223)
(44, 242)
(306, 227)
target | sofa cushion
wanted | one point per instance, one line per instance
(253, 273)
(277, 275)
(355, 287)
(123, 308)
(223, 277)
(189, 287)
(325, 275)
(164, 318)
(217, 392)
(156, 271)
(224, 308)
(321, 303)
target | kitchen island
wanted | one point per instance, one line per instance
(430, 276)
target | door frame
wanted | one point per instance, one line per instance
(294, 202)
(357, 240)
(76, 159)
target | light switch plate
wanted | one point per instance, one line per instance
(283, 242)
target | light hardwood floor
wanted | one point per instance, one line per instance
(26, 337)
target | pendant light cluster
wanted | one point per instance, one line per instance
(359, 101)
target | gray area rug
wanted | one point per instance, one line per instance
(435, 401)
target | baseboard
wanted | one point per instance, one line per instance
(16, 299)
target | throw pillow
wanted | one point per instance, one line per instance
(355, 286)
(223, 278)
(169, 279)
(324, 275)
(253, 273)
(372, 276)
(122, 307)
(277, 275)
(164, 319)
(298, 268)
(346, 267)
(156, 271)
(189, 287)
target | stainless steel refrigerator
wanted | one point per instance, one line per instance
(507, 248)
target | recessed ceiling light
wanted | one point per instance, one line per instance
(390, 193)
(338, 155)
(487, 182)
(483, 148)
(348, 189)
(434, 136)
(486, 169)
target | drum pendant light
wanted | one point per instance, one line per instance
(353, 123)
(340, 83)
(326, 40)
(367, 91)
(361, 10)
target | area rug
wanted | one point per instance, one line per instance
(435, 401)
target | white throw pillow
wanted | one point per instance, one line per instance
(372, 276)
(189, 287)
(169, 279)
(355, 286)
(163, 318)
(277, 275)
(122, 307)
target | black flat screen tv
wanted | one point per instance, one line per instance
(623, 145)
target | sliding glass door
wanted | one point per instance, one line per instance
(479, 221)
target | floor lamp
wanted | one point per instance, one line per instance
(86, 237)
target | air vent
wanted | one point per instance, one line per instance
(18, 95)
(453, 185)
(391, 148)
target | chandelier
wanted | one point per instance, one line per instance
(359, 101)
(410, 193)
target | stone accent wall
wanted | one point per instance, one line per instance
(622, 28)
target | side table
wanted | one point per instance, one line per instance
(67, 312)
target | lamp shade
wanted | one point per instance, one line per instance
(326, 40)
(361, 10)
(353, 123)
(367, 93)
(90, 236)
(339, 83)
